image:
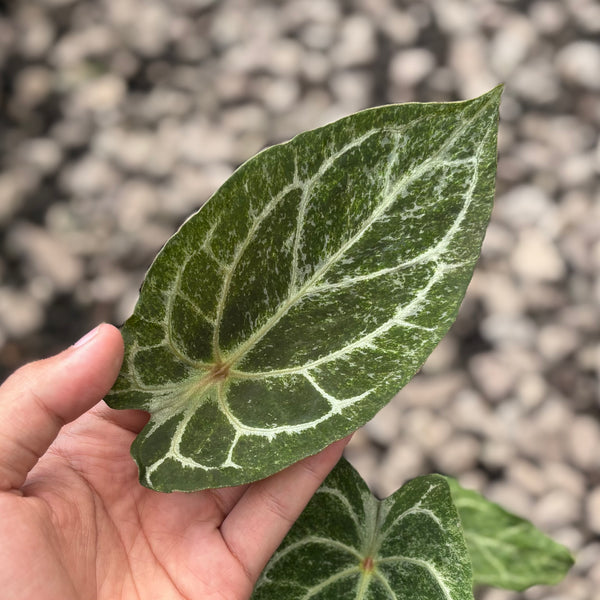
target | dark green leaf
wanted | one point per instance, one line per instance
(307, 291)
(507, 551)
(349, 545)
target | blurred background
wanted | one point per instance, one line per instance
(120, 117)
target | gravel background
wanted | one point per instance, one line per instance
(120, 117)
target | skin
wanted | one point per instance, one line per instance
(76, 524)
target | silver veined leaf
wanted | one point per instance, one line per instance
(307, 291)
(348, 544)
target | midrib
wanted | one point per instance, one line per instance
(237, 355)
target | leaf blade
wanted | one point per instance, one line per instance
(308, 290)
(507, 551)
(409, 545)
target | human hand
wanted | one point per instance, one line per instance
(76, 524)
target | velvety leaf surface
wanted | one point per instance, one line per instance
(348, 545)
(309, 289)
(507, 551)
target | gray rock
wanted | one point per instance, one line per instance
(48, 256)
(409, 67)
(524, 206)
(33, 85)
(548, 16)
(356, 44)
(528, 477)
(460, 453)
(583, 443)
(556, 509)
(536, 258)
(511, 45)
(401, 462)
(20, 313)
(579, 63)
(492, 375)
(555, 342)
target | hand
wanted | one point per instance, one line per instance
(76, 524)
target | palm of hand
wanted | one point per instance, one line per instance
(87, 524)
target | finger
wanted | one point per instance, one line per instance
(42, 396)
(260, 520)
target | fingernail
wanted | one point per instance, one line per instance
(87, 337)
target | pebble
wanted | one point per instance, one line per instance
(356, 44)
(47, 256)
(458, 454)
(556, 342)
(33, 85)
(20, 313)
(523, 205)
(583, 443)
(536, 258)
(555, 509)
(410, 67)
(511, 45)
(401, 463)
(491, 375)
(579, 63)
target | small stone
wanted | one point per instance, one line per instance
(455, 18)
(20, 313)
(511, 44)
(556, 509)
(352, 90)
(11, 195)
(583, 443)
(279, 94)
(536, 82)
(432, 390)
(316, 67)
(399, 25)
(556, 342)
(470, 412)
(508, 330)
(36, 30)
(531, 389)
(523, 206)
(33, 85)
(495, 379)
(49, 257)
(386, 425)
(428, 431)
(44, 154)
(527, 476)
(498, 242)
(79, 45)
(400, 463)
(560, 475)
(579, 63)
(356, 44)
(410, 67)
(100, 95)
(548, 16)
(511, 497)
(536, 258)
(89, 176)
(496, 454)
(460, 453)
(442, 358)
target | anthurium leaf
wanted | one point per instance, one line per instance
(507, 551)
(349, 544)
(307, 291)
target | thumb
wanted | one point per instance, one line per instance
(39, 398)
